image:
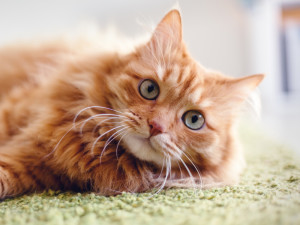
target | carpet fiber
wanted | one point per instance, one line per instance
(269, 193)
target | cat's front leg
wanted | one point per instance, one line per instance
(13, 182)
(9, 184)
(114, 175)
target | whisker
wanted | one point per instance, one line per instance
(58, 143)
(106, 115)
(189, 172)
(84, 122)
(95, 142)
(165, 179)
(102, 107)
(198, 172)
(113, 116)
(168, 168)
(98, 124)
(113, 136)
(119, 144)
(161, 169)
(60, 140)
(179, 169)
(108, 141)
(92, 107)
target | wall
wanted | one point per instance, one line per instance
(214, 29)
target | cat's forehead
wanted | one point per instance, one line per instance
(183, 81)
(177, 81)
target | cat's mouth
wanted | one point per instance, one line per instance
(145, 148)
(148, 141)
(162, 145)
(152, 149)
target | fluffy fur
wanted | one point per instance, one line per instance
(74, 119)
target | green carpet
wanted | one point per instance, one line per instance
(269, 193)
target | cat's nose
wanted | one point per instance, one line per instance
(155, 128)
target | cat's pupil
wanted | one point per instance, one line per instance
(150, 88)
(194, 118)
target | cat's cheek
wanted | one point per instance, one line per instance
(209, 149)
(212, 155)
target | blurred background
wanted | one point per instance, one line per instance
(237, 37)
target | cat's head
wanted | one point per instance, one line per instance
(174, 108)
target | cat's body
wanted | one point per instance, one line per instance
(60, 108)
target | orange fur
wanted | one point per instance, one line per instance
(55, 132)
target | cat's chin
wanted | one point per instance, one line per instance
(142, 148)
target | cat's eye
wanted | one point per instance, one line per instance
(149, 89)
(193, 119)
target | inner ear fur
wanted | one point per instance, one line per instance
(168, 33)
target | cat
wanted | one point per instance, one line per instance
(110, 123)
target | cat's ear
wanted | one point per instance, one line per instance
(168, 33)
(241, 88)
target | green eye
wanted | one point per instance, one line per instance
(149, 89)
(193, 119)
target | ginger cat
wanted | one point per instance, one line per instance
(109, 122)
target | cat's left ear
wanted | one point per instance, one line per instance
(168, 33)
(241, 88)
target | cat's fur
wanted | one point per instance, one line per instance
(57, 105)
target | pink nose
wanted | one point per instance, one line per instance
(155, 128)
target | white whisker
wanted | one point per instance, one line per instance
(58, 143)
(168, 168)
(92, 107)
(112, 137)
(188, 170)
(179, 169)
(162, 168)
(114, 116)
(198, 172)
(119, 144)
(200, 177)
(103, 121)
(109, 140)
(95, 142)
(83, 123)
(60, 140)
